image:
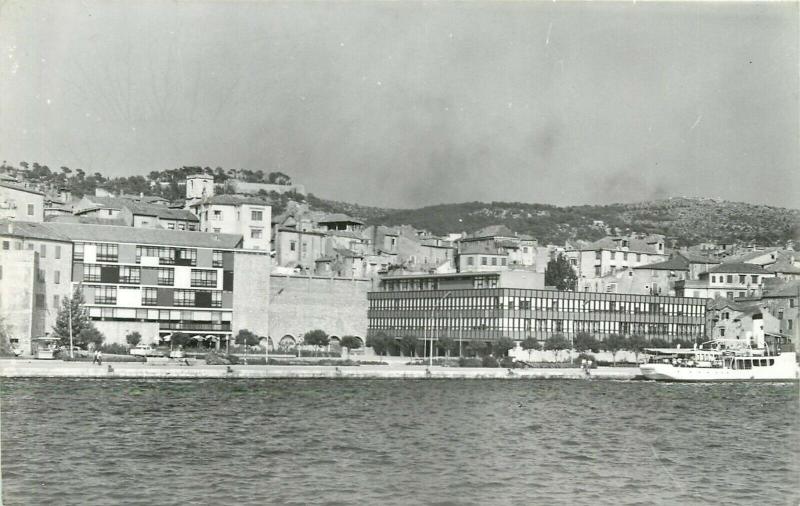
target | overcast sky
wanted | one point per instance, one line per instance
(405, 104)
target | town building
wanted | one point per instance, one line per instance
(35, 272)
(740, 321)
(250, 217)
(133, 213)
(782, 299)
(19, 202)
(486, 306)
(611, 254)
(152, 281)
(729, 280)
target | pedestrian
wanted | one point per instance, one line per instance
(99, 357)
(94, 357)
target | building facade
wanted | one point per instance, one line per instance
(488, 306)
(21, 203)
(250, 217)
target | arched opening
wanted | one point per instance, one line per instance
(287, 343)
(268, 342)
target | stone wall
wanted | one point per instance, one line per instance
(302, 303)
(251, 292)
(115, 331)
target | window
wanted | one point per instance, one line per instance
(216, 299)
(729, 295)
(105, 294)
(256, 215)
(216, 259)
(598, 255)
(43, 251)
(503, 261)
(56, 300)
(216, 215)
(6, 245)
(30, 209)
(494, 260)
(754, 277)
(255, 233)
(149, 296)
(171, 225)
(40, 302)
(107, 252)
(780, 314)
(129, 275)
(204, 278)
(483, 260)
(217, 230)
(57, 277)
(638, 257)
(729, 278)
(186, 256)
(470, 261)
(625, 256)
(181, 226)
(184, 298)
(41, 276)
(91, 272)
(58, 252)
(721, 332)
(742, 278)
(791, 302)
(789, 324)
(596, 270)
(166, 277)
(524, 249)
(292, 245)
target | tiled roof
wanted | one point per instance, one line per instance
(233, 200)
(346, 253)
(139, 208)
(31, 230)
(13, 186)
(673, 264)
(738, 268)
(786, 289)
(89, 220)
(697, 258)
(339, 218)
(608, 243)
(151, 236)
(783, 267)
(345, 233)
(480, 248)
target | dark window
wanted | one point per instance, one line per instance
(107, 252)
(58, 252)
(227, 280)
(204, 278)
(742, 278)
(77, 251)
(729, 278)
(184, 298)
(166, 277)
(6, 245)
(129, 275)
(203, 299)
(216, 259)
(30, 209)
(150, 296)
(109, 274)
(105, 295)
(91, 272)
(186, 257)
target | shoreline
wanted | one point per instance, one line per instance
(133, 370)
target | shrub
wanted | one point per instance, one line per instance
(469, 362)
(114, 349)
(489, 361)
(502, 345)
(585, 356)
(509, 363)
(133, 338)
(215, 358)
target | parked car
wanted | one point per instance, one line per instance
(177, 354)
(145, 350)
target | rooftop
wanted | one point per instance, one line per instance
(31, 230)
(7, 184)
(339, 218)
(233, 200)
(738, 268)
(675, 263)
(111, 233)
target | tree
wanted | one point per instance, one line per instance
(72, 313)
(637, 343)
(316, 338)
(247, 338)
(408, 345)
(659, 342)
(448, 344)
(351, 342)
(501, 346)
(133, 338)
(530, 344)
(614, 343)
(556, 343)
(379, 343)
(478, 348)
(180, 339)
(89, 335)
(584, 341)
(559, 273)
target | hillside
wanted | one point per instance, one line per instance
(687, 220)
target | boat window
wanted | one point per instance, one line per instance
(763, 362)
(772, 361)
(748, 364)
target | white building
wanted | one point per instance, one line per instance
(250, 217)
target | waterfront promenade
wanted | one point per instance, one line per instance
(55, 369)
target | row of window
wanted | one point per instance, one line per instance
(109, 252)
(525, 325)
(729, 278)
(93, 273)
(417, 284)
(501, 261)
(107, 294)
(162, 315)
(539, 304)
(43, 250)
(216, 215)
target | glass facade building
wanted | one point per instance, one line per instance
(480, 307)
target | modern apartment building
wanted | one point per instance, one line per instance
(153, 281)
(489, 305)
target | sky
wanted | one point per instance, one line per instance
(405, 104)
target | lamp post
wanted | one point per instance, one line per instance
(441, 300)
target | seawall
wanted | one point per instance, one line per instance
(48, 369)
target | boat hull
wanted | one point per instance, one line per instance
(784, 369)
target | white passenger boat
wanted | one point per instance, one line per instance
(721, 360)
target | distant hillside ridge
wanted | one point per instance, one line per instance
(687, 220)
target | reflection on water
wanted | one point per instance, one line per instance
(398, 442)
